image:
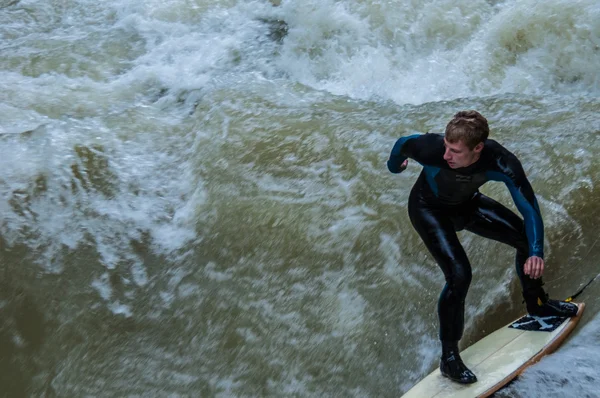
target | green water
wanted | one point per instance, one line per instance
(195, 206)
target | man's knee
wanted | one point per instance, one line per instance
(459, 283)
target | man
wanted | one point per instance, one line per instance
(446, 199)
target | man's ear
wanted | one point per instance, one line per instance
(478, 147)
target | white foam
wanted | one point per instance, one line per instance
(350, 313)
(120, 309)
(213, 274)
(445, 49)
(68, 208)
(102, 285)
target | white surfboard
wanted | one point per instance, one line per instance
(498, 358)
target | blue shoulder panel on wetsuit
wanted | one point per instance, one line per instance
(430, 173)
(534, 227)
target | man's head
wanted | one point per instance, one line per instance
(464, 138)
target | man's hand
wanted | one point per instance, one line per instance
(534, 267)
(404, 165)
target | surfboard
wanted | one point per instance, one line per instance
(500, 356)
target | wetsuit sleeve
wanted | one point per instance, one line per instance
(512, 174)
(400, 152)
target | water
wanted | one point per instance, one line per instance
(195, 201)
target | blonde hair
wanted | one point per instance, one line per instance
(467, 126)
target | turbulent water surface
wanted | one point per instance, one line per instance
(194, 198)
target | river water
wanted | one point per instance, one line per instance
(194, 197)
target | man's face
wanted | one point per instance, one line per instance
(459, 155)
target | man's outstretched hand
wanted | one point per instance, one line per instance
(534, 267)
(404, 165)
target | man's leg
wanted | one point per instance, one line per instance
(492, 220)
(437, 232)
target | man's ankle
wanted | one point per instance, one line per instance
(449, 348)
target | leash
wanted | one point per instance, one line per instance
(573, 297)
(569, 299)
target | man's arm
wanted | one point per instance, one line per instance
(400, 154)
(513, 175)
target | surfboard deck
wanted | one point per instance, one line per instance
(498, 358)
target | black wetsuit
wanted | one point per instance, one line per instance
(446, 200)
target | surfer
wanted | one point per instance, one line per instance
(446, 199)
